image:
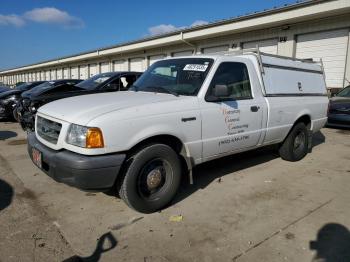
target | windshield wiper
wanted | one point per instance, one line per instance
(160, 88)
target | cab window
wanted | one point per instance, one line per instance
(235, 76)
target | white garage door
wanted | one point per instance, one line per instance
(119, 65)
(42, 76)
(74, 72)
(136, 64)
(182, 53)
(53, 74)
(83, 71)
(47, 75)
(37, 76)
(268, 46)
(59, 73)
(65, 73)
(93, 70)
(155, 58)
(104, 67)
(215, 49)
(331, 46)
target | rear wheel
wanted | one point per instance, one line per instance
(295, 146)
(151, 178)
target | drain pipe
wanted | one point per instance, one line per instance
(186, 42)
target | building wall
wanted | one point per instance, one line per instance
(285, 37)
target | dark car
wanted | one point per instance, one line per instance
(10, 97)
(339, 109)
(4, 89)
(105, 82)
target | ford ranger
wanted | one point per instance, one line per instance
(180, 113)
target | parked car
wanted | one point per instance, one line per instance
(4, 88)
(339, 109)
(106, 82)
(180, 113)
(10, 97)
(27, 105)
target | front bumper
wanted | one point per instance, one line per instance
(80, 171)
(338, 120)
(6, 111)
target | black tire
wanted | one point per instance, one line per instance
(151, 179)
(15, 115)
(295, 146)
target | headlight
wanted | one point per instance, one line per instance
(87, 137)
(9, 99)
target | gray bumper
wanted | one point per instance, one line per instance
(81, 171)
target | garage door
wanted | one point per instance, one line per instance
(182, 53)
(74, 72)
(53, 74)
(83, 71)
(266, 46)
(155, 58)
(93, 70)
(65, 73)
(37, 76)
(59, 73)
(331, 46)
(215, 49)
(119, 65)
(47, 75)
(104, 67)
(136, 64)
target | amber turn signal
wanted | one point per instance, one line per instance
(94, 138)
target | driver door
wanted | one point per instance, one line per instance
(233, 122)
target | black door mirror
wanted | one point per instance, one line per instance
(221, 91)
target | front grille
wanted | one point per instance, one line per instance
(48, 130)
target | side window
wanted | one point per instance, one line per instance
(235, 76)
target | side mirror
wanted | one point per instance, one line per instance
(221, 91)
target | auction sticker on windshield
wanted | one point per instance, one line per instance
(195, 67)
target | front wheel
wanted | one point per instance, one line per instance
(151, 179)
(295, 146)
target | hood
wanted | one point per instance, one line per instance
(339, 99)
(9, 93)
(53, 93)
(82, 109)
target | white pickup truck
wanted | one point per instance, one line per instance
(180, 113)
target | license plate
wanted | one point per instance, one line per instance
(36, 155)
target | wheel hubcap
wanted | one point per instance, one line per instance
(154, 178)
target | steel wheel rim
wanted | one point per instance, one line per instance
(299, 142)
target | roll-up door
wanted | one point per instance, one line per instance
(74, 72)
(136, 64)
(119, 65)
(269, 46)
(47, 75)
(104, 67)
(37, 76)
(53, 74)
(83, 71)
(92, 70)
(59, 73)
(65, 73)
(155, 58)
(42, 76)
(215, 49)
(331, 46)
(182, 53)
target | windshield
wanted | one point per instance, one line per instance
(42, 87)
(345, 92)
(183, 76)
(23, 86)
(95, 81)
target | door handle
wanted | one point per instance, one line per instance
(254, 108)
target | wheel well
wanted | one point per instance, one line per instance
(169, 140)
(306, 119)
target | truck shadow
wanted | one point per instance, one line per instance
(6, 194)
(332, 244)
(106, 243)
(206, 173)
